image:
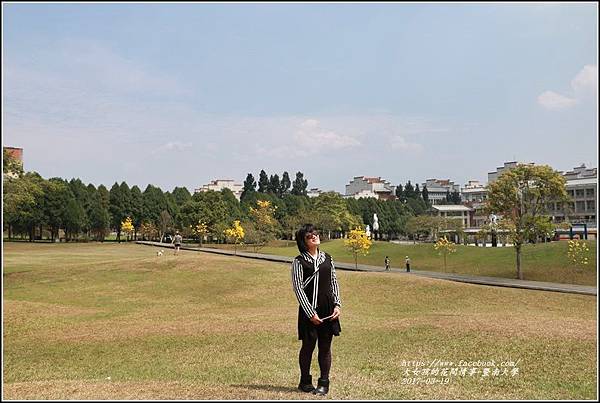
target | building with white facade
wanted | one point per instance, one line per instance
(456, 212)
(220, 184)
(492, 176)
(364, 186)
(582, 188)
(437, 189)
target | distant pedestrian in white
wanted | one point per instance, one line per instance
(368, 231)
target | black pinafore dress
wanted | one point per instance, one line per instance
(325, 301)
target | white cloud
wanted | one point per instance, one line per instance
(312, 137)
(586, 79)
(583, 84)
(400, 143)
(176, 146)
(554, 101)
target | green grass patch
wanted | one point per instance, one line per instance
(540, 262)
(114, 321)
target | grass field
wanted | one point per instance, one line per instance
(540, 262)
(93, 321)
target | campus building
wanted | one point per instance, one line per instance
(582, 188)
(437, 189)
(454, 212)
(364, 186)
(220, 184)
(492, 176)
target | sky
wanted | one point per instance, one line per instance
(180, 94)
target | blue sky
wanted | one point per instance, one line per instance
(181, 94)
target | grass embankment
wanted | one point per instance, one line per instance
(540, 262)
(92, 321)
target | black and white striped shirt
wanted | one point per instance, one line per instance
(299, 283)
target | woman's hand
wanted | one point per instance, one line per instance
(316, 320)
(336, 313)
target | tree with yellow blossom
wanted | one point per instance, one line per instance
(235, 233)
(444, 247)
(358, 242)
(200, 230)
(264, 225)
(578, 253)
(127, 226)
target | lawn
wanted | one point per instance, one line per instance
(115, 321)
(540, 262)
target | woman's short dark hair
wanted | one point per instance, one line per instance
(301, 236)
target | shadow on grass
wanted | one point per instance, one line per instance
(269, 388)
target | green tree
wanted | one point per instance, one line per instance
(119, 206)
(274, 185)
(249, 186)
(520, 195)
(409, 191)
(154, 202)
(263, 182)
(22, 202)
(99, 214)
(400, 192)
(455, 197)
(331, 214)
(56, 197)
(286, 183)
(425, 194)
(300, 185)
(208, 207)
(165, 223)
(137, 210)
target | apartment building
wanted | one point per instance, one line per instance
(437, 189)
(220, 184)
(364, 186)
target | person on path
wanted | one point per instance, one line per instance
(407, 261)
(387, 263)
(177, 242)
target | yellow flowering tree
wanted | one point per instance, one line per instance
(578, 253)
(127, 226)
(235, 233)
(358, 242)
(444, 247)
(200, 230)
(265, 224)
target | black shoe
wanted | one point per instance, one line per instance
(322, 387)
(306, 384)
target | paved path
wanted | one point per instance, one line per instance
(491, 281)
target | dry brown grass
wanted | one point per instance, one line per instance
(203, 326)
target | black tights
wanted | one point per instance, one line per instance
(306, 351)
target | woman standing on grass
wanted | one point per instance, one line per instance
(316, 287)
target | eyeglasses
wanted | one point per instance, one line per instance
(312, 235)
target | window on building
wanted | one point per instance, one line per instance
(589, 192)
(580, 206)
(591, 205)
(571, 193)
(579, 193)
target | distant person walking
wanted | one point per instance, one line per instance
(177, 242)
(387, 263)
(316, 288)
(407, 261)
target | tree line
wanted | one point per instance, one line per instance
(34, 206)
